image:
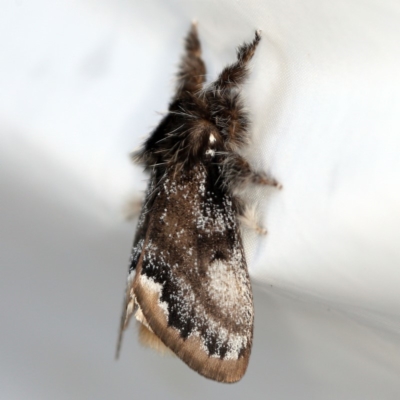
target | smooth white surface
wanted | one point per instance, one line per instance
(80, 83)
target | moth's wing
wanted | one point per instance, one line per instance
(129, 303)
(191, 282)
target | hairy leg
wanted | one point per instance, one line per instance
(248, 217)
(234, 74)
(133, 207)
(238, 173)
(192, 71)
(224, 99)
(231, 118)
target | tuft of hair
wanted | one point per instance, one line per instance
(250, 218)
(149, 339)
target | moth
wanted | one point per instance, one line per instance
(188, 283)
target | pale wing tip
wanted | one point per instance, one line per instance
(189, 350)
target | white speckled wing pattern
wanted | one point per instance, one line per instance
(191, 282)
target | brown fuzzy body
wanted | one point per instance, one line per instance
(188, 277)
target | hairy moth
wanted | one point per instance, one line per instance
(188, 283)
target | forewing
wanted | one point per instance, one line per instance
(191, 282)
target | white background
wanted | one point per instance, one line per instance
(80, 84)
